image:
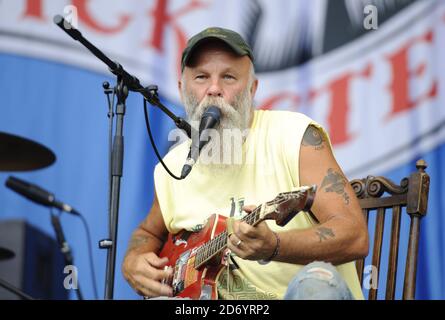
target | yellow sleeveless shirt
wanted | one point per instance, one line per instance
(271, 152)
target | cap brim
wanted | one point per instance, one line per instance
(237, 50)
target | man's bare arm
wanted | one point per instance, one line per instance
(150, 235)
(142, 267)
(341, 234)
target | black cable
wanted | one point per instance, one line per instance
(147, 124)
(90, 253)
(63, 245)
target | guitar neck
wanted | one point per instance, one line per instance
(215, 246)
(283, 208)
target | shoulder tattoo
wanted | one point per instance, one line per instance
(313, 137)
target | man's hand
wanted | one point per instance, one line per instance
(145, 273)
(142, 267)
(251, 243)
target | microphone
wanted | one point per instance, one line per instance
(209, 120)
(38, 195)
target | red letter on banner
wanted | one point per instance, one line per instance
(34, 9)
(338, 115)
(339, 109)
(85, 17)
(401, 77)
(162, 18)
(271, 102)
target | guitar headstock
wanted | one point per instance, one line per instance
(287, 204)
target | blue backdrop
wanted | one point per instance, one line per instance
(64, 108)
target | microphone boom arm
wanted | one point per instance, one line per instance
(132, 82)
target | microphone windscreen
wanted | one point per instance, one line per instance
(213, 112)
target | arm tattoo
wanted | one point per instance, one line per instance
(335, 182)
(324, 233)
(313, 137)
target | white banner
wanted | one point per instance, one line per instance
(381, 97)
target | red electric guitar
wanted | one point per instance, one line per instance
(198, 257)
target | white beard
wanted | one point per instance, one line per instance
(225, 149)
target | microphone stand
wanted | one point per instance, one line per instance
(64, 248)
(125, 83)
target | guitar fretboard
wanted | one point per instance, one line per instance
(213, 247)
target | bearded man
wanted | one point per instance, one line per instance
(253, 156)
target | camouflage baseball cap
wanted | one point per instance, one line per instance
(231, 38)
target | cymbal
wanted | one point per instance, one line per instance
(6, 254)
(21, 154)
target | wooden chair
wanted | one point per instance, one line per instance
(385, 197)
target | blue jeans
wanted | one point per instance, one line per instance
(318, 281)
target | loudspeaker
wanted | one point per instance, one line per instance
(37, 268)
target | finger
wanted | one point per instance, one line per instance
(149, 293)
(246, 231)
(161, 275)
(234, 249)
(229, 225)
(152, 288)
(249, 208)
(144, 268)
(236, 224)
(237, 232)
(161, 289)
(235, 242)
(156, 261)
(237, 250)
(148, 280)
(151, 272)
